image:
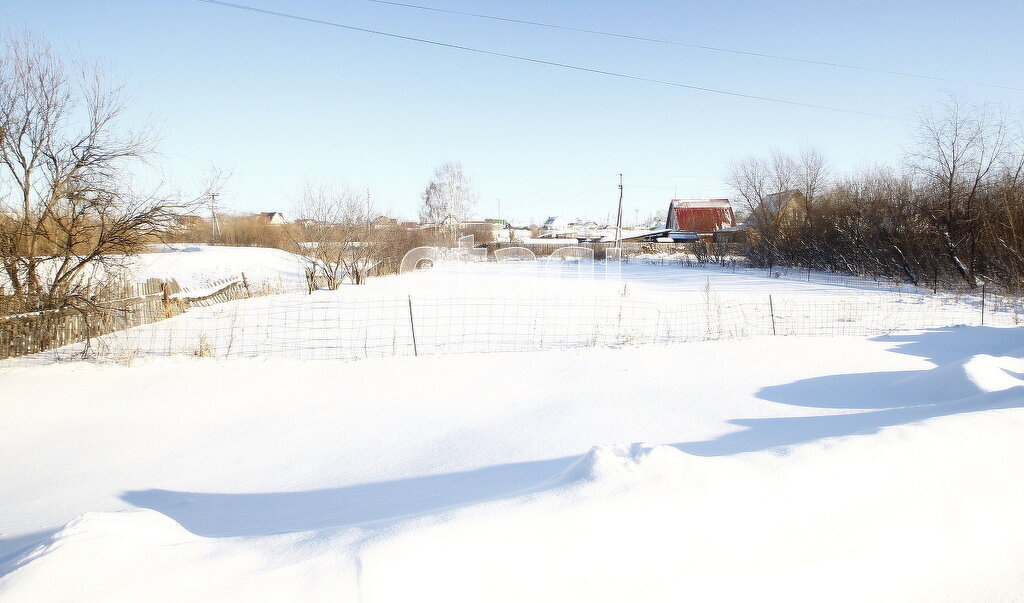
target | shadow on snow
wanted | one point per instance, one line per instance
(892, 399)
(208, 514)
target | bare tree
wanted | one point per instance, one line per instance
(69, 215)
(954, 215)
(1007, 218)
(784, 172)
(750, 178)
(448, 198)
(757, 180)
(958, 154)
(336, 236)
(812, 173)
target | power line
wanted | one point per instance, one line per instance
(537, 61)
(563, 197)
(678, 176)
(557, 188)
(760, 55)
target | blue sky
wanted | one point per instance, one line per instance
(280, 103)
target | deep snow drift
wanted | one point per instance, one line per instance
(775, 469)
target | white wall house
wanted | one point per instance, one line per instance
(556, 223)
(273, 217)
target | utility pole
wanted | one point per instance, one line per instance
(215, 232)
(368, 215)
(505, 227)
(618, 220)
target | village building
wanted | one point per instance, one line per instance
(384, 222)
(272, 217)
(189, 221)
(699, 216)
(555, 223)
(485, 231)
(786, 209)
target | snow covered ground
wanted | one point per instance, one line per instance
(515, 306)
(776, 468)
(766, 468)
(533, 306)
(200, 265)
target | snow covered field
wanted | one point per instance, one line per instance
(200, 265)
(532, 306)
(847, 468)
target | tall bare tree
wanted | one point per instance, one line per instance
(958, 153)
(1007, 219)
(812, 173)
(749, 177)
(784, 172)
(69, 214)
(756, 179)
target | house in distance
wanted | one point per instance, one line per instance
(786, 209)
(272, 217)
(696, 218)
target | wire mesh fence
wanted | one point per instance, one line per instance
(340, 325)
(818, 277)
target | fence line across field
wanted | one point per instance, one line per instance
(120, 309)
(788, 273)
(342, 326)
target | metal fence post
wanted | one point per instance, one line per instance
(983, 304)
(412, 327)
(771, 308)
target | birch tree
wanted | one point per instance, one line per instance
(448, 198)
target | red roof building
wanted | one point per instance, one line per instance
(702, 216)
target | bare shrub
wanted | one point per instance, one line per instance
(700, 251)
(951, 217)
(336, 237)
(204, 350)
(255, 231)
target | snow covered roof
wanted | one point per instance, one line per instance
(274, 217)
(695, 203)
(699, 215)
(556, 222)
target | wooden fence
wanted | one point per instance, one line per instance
(121, 307)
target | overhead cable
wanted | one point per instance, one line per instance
(549, 63)
(722, 49)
